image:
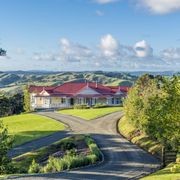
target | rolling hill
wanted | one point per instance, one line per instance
(13, 81)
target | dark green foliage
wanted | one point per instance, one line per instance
(26, 105)
(11, 105)
(153, 107)
(66, 145)
(5, 145)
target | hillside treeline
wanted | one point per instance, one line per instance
(153, 107)
(11, 104)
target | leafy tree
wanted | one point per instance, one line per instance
(5, 145)
(11, 105)
(27, 107)
(2, 52)
(153, 107)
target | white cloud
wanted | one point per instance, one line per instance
(143, 49)
(44, 56)
(105, 1)
(73, 52)
(160, 6)
(171, 53)
(5, 57)
(110, 55)
(99, 13)
(109, 46)
(20, 51)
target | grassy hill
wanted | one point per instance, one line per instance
(11, 81)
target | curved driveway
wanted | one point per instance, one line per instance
(122, 159)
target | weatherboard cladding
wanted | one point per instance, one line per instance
(72, 89)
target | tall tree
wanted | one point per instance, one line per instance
(27, 107)
(5, 145)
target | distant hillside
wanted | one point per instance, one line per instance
(11, 81)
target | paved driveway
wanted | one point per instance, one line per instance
(122, 159)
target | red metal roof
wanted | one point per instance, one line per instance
(39, 89)
(73, 88)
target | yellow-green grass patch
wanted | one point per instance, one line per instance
(171, 172)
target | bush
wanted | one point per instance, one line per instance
(70, 159)
(34, 167)
(99, 105)
(81, 106)
(67, 145)
(93, 148)
(55, 165)
(5, 145)
(92, 158)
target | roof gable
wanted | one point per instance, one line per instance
(44, 93)
(88, 90)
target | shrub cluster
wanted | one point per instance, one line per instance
(100, 105)
(81, 106)
(70, 160)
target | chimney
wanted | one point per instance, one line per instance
(119, 89)
(87, 84)
(96, 84)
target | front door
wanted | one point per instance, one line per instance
(71, 101)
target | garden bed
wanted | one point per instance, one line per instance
(68, 153)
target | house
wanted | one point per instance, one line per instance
(71, 93)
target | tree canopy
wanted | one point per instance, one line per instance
(153, 107)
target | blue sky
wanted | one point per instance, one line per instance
(112, 35)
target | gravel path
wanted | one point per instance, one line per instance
(123, 160)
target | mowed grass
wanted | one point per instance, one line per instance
(89, 114)
(27, 127)
(166, 173)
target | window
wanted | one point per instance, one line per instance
(63, 100)
(117, 100)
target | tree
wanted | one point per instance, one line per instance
(27, 107)
(2, 52)
(5, 145)
(153, 107)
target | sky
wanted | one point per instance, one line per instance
(77, 35)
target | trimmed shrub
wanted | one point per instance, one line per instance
(34, 167)
(99, 105)
(81, 106)
(92, 158)
(50, 165)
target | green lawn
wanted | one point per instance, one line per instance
(27, 127)
(166, 174)
(89, 114)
